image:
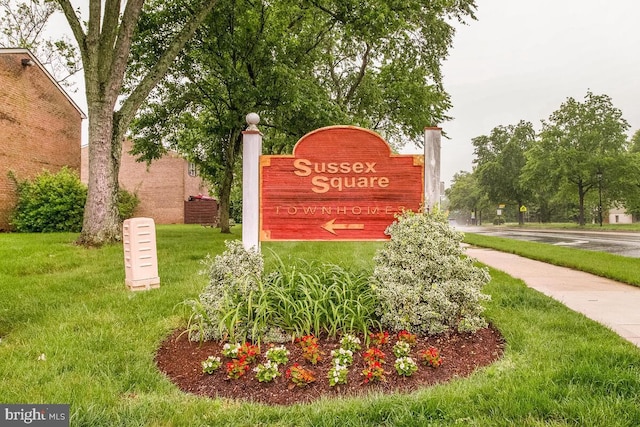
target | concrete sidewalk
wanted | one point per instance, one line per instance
(611, 303)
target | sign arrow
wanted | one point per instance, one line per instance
(330, 226)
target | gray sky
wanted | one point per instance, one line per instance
(523, 58)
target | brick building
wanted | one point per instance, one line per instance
(40, 125)
(169, 189)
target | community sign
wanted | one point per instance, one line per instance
(340, 183)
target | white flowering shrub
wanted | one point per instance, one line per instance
(234, 276)
(423, 281)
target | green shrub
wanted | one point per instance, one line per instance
(423, 281)
(498, 220)
(50, 202)
(222, 308)
(296, 299)
(127, 204)
(55, 202)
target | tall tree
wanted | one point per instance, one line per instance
(300, 65)
(249, 56)
(634, 143)
(466, 195)
(382, 63)
(581, 146)
(500, 159)
(104, 40)
(629, 194)
(24, 24)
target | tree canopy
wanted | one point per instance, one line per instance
(500, 159)
(300, 65)
(466, 195)
(580, 144)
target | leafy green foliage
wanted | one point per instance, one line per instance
(127, 204)
(55, 202)
(301, 66)
(311, 298)
(500, 159)
(580, 145)
(466, 195)
(221, 310)
(296, 299)
(50, 202)
(423, 282)
(579, 161)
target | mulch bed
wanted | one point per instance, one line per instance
(180, 359)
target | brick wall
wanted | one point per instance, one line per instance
(39, 127)
(162, 187)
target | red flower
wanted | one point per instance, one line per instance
(379, 338)
(237, 368)
(431, 356)
(310, 348)
(374, 354)
(407, 337)
(373, 372)
(248, 351)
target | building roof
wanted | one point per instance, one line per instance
(14, 51)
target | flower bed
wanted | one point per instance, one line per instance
(460, 353)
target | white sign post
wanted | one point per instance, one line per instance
(432, 137)
(251, 151)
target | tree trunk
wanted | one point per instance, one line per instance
(101, 220)
(225, 197)
(581, 194)
(226, 183)
(105, 48)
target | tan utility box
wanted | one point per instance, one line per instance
(140, 257)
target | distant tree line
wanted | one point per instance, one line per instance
(578, 165)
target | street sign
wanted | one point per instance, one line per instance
(523, 208)
(340, 183)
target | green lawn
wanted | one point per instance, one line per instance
(70, 304)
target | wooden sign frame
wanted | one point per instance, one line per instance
(340, 183)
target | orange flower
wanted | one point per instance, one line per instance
(407, 337)
(379, 338)
(299, 375)
(374, 355)
(431, 356)
(237, 368)
(310, 348)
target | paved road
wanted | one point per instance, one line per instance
(619, 243)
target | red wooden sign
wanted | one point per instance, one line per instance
(340, 183)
